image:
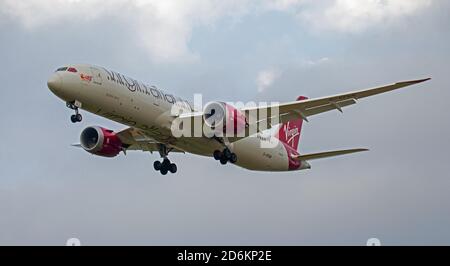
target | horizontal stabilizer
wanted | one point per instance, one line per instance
(313, 156)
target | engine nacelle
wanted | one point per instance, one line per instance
(224, 118)
(100, 141)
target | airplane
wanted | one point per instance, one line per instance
(147, 111)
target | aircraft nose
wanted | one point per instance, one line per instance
(54, 82)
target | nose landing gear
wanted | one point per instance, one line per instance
(77, 117)
(225, 156)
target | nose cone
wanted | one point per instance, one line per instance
(54, 83)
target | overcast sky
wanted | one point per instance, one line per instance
(231, 50)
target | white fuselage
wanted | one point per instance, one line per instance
(135, 104)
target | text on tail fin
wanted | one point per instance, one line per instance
(290, 131)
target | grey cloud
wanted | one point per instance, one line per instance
(398, 192)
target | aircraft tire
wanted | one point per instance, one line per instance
(233, 158)
(157, 165)
(223, 160)
(173, 168)
(227, 153)
(217, 154)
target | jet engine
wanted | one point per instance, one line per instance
(100, 141)
(224, 118)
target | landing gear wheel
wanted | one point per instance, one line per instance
(227, 153)
(223, 160)
(225, 156)
(76, 117)
(217, 155)
(165, 166)
(164, 171)
(73, 118)
(233, 158)
(157, 165)
(173, 168)
(166, 163)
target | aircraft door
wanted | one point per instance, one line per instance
(96, 76)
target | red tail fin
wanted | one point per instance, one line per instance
(289, 132)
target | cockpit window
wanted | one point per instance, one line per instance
(69, 69)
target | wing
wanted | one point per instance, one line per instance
(306, 108)
(321, 155)
(136, 139)
(303, 109)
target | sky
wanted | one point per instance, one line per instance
(398, 192)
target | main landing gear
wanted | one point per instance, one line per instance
(77, 116)
(225, 156)
(165, 166)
